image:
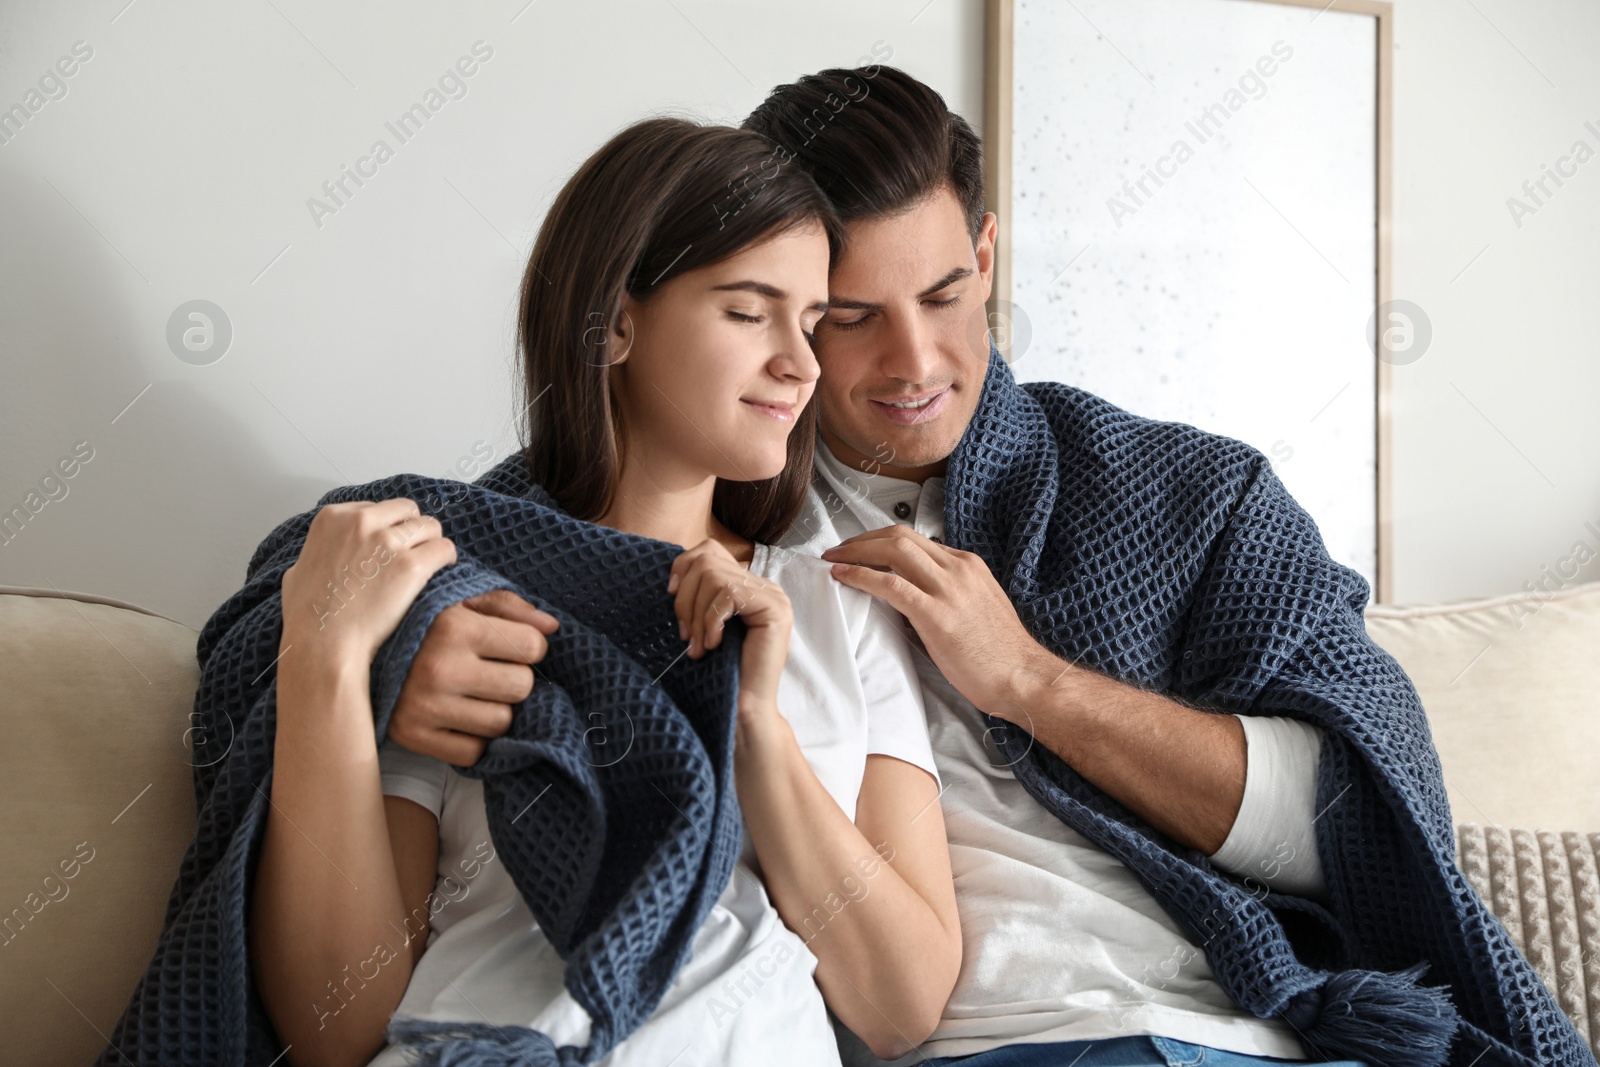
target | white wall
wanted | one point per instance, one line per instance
(178, 166)
(1497, 426)
(179, 162)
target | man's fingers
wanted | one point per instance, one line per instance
(477, 718)
(457, 715)
(899, 554)
(889, 588)
(494, 637)
(498, 682)
(505, 604)
(891, 531)
(451, 747)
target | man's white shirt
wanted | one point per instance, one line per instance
(1061, 942)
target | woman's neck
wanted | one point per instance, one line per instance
(675, 510)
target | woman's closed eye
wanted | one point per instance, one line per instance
(744, 316)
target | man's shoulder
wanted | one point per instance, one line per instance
(820, 523)
(1139, 457)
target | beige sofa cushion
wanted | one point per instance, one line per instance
(1545, 888)
(1511, 686)
(99, 803)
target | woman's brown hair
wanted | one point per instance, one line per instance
(662, 197)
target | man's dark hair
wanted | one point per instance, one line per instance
(876, 139)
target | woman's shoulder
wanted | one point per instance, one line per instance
(770, 560)
(811, 587)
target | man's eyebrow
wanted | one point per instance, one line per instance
(949, 279)
(846, 304)
(753, 286)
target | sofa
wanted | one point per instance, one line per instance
(95, 772)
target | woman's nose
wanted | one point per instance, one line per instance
(799, 361)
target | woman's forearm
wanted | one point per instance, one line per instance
(326, 895)
(886, 959)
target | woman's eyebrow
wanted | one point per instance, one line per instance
(750, 285)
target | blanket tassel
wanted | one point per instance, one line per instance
(1386, 1019)
(476, 1045)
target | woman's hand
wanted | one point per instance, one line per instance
(360, 569)
(712, 587)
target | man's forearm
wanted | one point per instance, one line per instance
(1179, 769)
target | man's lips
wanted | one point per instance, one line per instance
(910, 416)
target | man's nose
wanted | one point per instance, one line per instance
(908, 351)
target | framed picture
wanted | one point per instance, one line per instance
(1193, 201)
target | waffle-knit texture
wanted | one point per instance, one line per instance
(1175, 560)
(610, 800)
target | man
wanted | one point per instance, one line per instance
(1153, 706)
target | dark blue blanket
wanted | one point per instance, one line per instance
(1175, 560)
(624, 750)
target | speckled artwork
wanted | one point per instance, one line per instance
(1193, 228)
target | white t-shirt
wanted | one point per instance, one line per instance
(1061, 941)
(848, 690)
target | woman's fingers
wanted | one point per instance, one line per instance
(416, 530)
(697, 587)
(397, 522)
(358, 571)
(710, 588)
(724, 593)
(721, 606)
(688, 558)
(688, 574)
(431, 555)
(683, 605)
(388, 512)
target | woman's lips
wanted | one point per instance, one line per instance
(777, 411)
(913, 416)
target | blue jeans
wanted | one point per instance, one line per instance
(1138, 1051)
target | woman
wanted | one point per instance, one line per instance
(665, 322)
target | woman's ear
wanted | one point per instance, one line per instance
(623, 332)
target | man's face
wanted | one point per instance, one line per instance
(905, 344)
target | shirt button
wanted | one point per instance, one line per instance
(902, 510)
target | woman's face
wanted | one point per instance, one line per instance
(714, 368)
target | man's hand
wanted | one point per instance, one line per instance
(966, 621)
(475, 662)
(1181, 769)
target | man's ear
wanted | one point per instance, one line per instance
(987, 231)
